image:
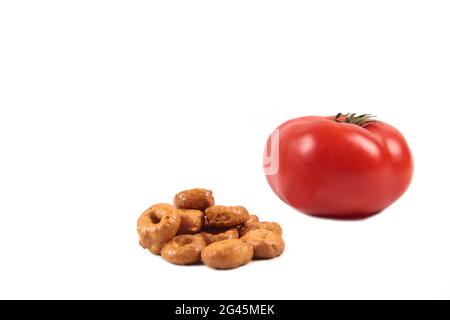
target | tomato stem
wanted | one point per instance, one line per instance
(352, 118)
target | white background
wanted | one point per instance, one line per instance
(110, 106)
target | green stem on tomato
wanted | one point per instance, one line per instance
(351, 118)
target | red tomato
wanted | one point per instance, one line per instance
(343, 167)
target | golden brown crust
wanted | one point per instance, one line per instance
(246, 225)
(266, 244)
(252, 219)
(215, 235)
(196, 199)
(227, 254)
(192, 221)
(271, 226)
(157, 225)
(223, 216)
(184, 250)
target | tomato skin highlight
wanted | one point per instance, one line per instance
(340, 170)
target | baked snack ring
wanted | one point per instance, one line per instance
(192, 221)
(266, 244)
(223, 216)
(227, 254)
(158, 225)
(271, 226)
(184, 250)
(195, 199)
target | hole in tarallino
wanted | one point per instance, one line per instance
(155, 218)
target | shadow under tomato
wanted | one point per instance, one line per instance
(353, 217)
